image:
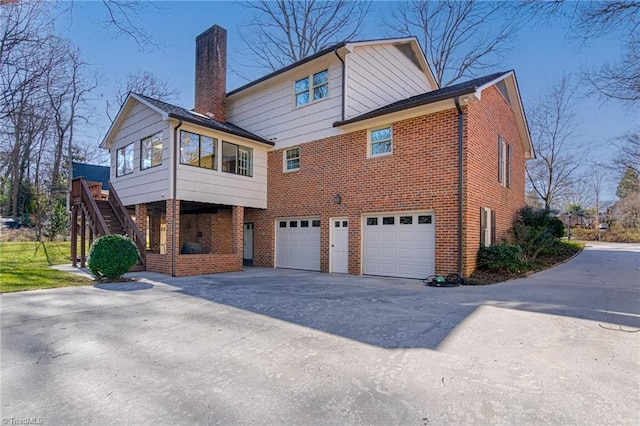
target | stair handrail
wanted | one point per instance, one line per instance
(87, 199)
(127, 223)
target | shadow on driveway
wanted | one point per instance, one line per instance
(600, 284)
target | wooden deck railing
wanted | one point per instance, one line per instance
(80, 193)
(128, 224)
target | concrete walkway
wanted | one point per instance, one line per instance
(268, 346)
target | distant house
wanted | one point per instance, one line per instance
(352, 160)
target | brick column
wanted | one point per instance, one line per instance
(173, 241)
(237, 232)
(141, 218)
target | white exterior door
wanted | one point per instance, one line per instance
(340, 245)
(399, 244)
(298, 243)
(247, 248)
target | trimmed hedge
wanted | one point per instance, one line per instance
(111, 256)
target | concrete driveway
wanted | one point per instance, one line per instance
(287, 347)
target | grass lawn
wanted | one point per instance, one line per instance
(25, 266)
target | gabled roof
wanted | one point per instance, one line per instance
(471, 87)
(91, 172)
(333, 48)
(168, 110)
(449, 92)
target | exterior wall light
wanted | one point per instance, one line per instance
(337, 198)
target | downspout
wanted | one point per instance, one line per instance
(343, 80)
(174, 196)
(460, 186)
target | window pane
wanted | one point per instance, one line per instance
(337, 224)
(422, 220)
(244, 161)
(388, 220)
(381, 134)
(316, 223)
(293, 164)
(380, 148)
(151, 151)
(283, 224)
(302, 98)
(344, 223)
(372, 221)
(293, 224)
(304, 223)
(302, 85)
(124, 160)
(189, 147)
(293, 153)
(229, 157)
(208, 152)
(321, 92)
(320, 77)
(406, 220)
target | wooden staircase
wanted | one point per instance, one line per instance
(99, 216)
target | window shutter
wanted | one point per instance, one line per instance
(500, 160)
(508, 165)
(483, 227)
(493, 227)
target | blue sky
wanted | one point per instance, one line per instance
(540, 55)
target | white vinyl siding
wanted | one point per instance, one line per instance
(216, 186)
(140, 122)
(271, 112)
(378, 75)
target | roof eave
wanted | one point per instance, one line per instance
(228, 131)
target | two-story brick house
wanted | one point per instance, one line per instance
(351, 160)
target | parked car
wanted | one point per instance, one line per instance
(6, 223)
(603, 227)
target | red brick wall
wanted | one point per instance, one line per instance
(420, 175)
(490, 117)
(222, 232)
(211, 73)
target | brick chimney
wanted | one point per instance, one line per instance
(211, 73)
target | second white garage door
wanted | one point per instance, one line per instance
(298, 243)
(399, 245)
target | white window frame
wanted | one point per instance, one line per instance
(310, 89)
(370, 143)
(286, 159)
(487, 226)
(150, 149)
(127, 149)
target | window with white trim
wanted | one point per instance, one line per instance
(312, 88)
(124, 160)
(292, 159)
(198, 150)
(151, 151)
(381, 141)
(237, 159)
(504, 162)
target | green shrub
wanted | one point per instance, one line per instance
(557, 227)
(533, 240)
(111, 256)
(501, 258)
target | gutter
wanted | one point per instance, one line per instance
(174, 196)
(460, 185)
(344, 89)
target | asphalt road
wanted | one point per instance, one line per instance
(290, 347)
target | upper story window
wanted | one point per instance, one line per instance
(151, 151)
(292, 159)
(124, 160)
(504, 162)
(312, 88)
(198, 150)
(381, 141)
(237, 159)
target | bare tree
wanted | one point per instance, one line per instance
(629, 146)
(460, 38)
(553, 173)
(285, 31)
(598, 174)
(144, 83)
(592, 19)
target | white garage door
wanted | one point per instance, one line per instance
(399, 245)
(298, 243)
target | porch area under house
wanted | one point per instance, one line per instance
(203, 239)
